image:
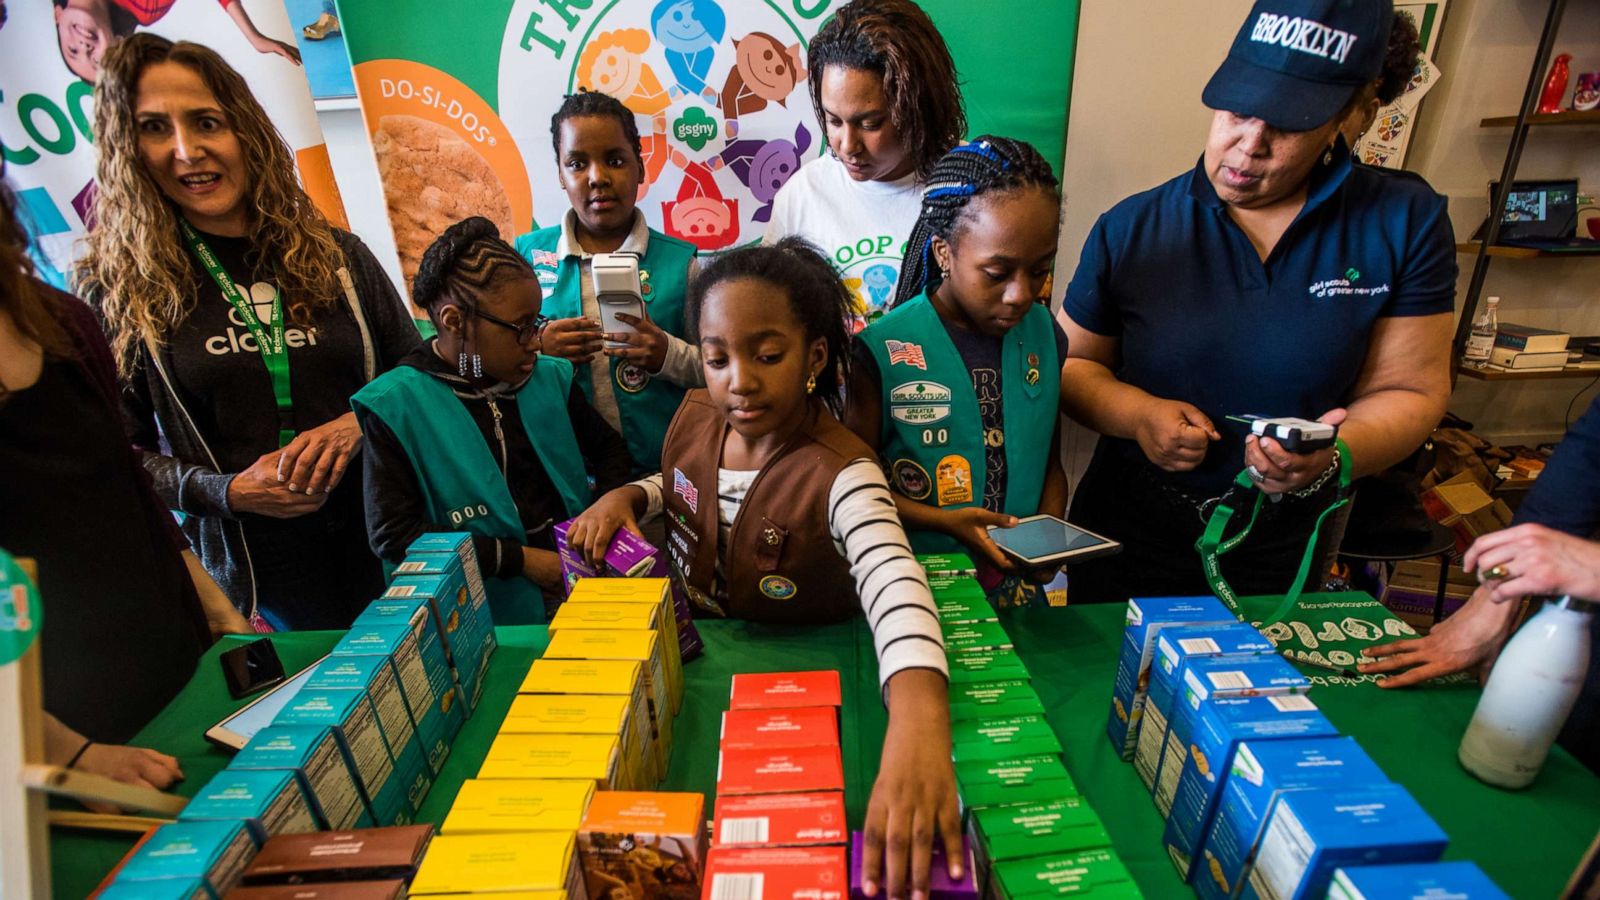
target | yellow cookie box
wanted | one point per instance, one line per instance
(585, 757)
(641, 646)
(582, 714)
(655, 592)
(601, 676)
(497, 806)
(497, 863)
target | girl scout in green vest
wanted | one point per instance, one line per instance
(956, 387)
(479, 432)
(641, 384)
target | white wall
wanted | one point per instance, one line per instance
(1137, 120)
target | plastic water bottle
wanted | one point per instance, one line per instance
(1481, 343)
(1530, 693)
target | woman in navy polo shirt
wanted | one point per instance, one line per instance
(1275, 278)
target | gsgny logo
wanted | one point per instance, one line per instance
(1303, 35)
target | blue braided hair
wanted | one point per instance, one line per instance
(985, 165)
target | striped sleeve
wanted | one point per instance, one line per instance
(893, 588)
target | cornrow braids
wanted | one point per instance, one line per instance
(796, 269)
(594, 103)
(986, 165)
(897, 40)
(462, 263)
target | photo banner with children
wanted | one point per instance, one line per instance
(49, 55)
(459, 105)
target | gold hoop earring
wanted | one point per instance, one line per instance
(811, 383)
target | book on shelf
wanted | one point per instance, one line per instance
(1527, 339)
(1506, 358)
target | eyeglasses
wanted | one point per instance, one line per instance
(525, 329)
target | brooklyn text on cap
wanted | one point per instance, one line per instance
(1296, 63)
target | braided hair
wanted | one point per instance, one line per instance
(985, 165)
(794, 268)
(462, 263)
(896, 40)
(595, 103)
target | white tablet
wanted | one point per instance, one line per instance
(237, 729)
(1046, 540)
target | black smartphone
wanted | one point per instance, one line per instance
(251, 668)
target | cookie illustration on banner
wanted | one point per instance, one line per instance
(433, 179)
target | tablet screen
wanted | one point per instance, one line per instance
(239, 728)
(1045, 538)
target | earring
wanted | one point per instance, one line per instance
(944, 273)
(811, 383)
(477, 366)
(461, 364)
(1327, 158)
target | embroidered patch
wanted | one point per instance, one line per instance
(685, 489)
(644, 283)
(954, 477)
(918, 392)
(912, 479)
(904, 353)
(631, 378)
(777, 587)
(920, 415)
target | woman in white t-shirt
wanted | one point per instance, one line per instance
(884, 88)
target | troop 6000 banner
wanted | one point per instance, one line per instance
(458, 99)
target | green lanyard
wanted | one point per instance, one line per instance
(274, 353)
(1211, 544)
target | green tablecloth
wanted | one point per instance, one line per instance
(1528, 842)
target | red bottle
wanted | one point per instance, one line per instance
(1555, 87)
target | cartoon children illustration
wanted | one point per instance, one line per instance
(613, 63)
(764, 71)
(764, 166)
(689, 30)
(86, 29)
(701, 215)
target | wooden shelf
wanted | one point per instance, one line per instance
(1467, 371)
(1566, 117)
(1508, 252)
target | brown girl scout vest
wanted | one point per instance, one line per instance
(780, 564)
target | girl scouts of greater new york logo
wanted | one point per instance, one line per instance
(718, 89)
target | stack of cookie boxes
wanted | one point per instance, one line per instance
(360, 742)
(779, 828)
(1030, 834)
(1260, 795)
(593, 714)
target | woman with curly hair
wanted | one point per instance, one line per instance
(241, 323)
(885, 91)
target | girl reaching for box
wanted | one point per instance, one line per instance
(956, 387)
(777, 513)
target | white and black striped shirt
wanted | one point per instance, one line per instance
(867, 531)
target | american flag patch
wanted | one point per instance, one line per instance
(683, 488)
(905, 353)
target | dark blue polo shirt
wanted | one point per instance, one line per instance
(1202, 319)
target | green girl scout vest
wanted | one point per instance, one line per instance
(461, 483)
(932, 434)
(645, 403)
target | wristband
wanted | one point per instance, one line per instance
(79, 755)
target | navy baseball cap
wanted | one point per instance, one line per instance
(1296, 63)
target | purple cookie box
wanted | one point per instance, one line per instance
(940, 887)
(627, 553)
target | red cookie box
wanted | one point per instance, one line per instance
(780, 820)
(768, 729)
(791, 770)
(783, 690)
(776, 873)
